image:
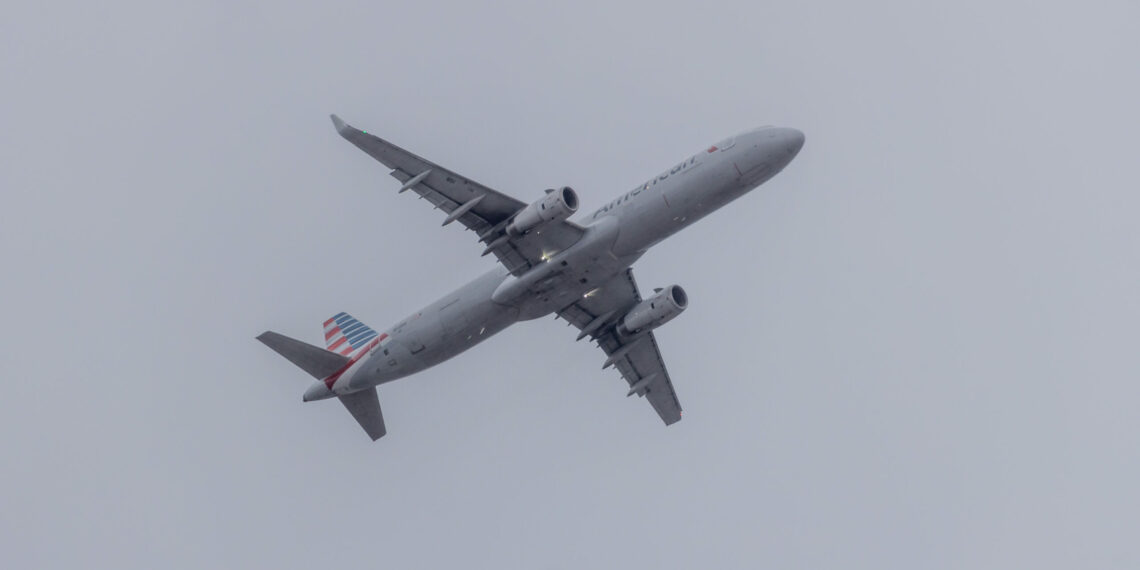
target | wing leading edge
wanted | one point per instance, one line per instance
(638, 359)
(479, 208)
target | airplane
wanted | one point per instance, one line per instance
(580, 271)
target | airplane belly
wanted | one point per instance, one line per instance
(463, 319)
(423, 329)
(453, 317)
(466, 326)
(565, 277)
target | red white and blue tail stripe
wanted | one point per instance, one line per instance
(345, 335)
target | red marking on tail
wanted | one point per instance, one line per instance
(336, 375)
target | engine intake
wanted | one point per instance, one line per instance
(555, 205)
(653, 312)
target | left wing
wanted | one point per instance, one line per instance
(479, 208)
(638, 359)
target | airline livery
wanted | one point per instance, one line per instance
(579, 271)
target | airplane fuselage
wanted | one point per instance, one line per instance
(617, 234)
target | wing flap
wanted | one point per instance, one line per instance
(644, 363)
(447, 190)
(443, 188)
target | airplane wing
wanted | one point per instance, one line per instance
(479, 208)
(638, 360)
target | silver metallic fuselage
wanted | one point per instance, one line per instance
(616, 235)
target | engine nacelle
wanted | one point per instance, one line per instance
(654, 311)
(555, 205)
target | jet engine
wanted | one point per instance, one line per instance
(653, 312)
(555, 205)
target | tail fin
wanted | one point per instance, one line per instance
(318, 362)
(323, 364)
(345, 335)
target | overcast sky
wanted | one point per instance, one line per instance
(914, 348)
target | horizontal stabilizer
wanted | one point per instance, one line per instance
(365, 407)
(318, 362)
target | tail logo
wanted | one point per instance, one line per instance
(345, 335)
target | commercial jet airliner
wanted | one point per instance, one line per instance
(578, 270)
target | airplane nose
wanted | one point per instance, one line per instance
(794, 141)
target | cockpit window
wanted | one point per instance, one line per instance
(725, 144)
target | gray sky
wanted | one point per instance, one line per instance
(914, 348)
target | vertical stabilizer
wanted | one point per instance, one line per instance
(345, 335)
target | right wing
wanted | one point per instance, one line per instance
(638, 359)
(487, 211)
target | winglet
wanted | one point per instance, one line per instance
(340, 125)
